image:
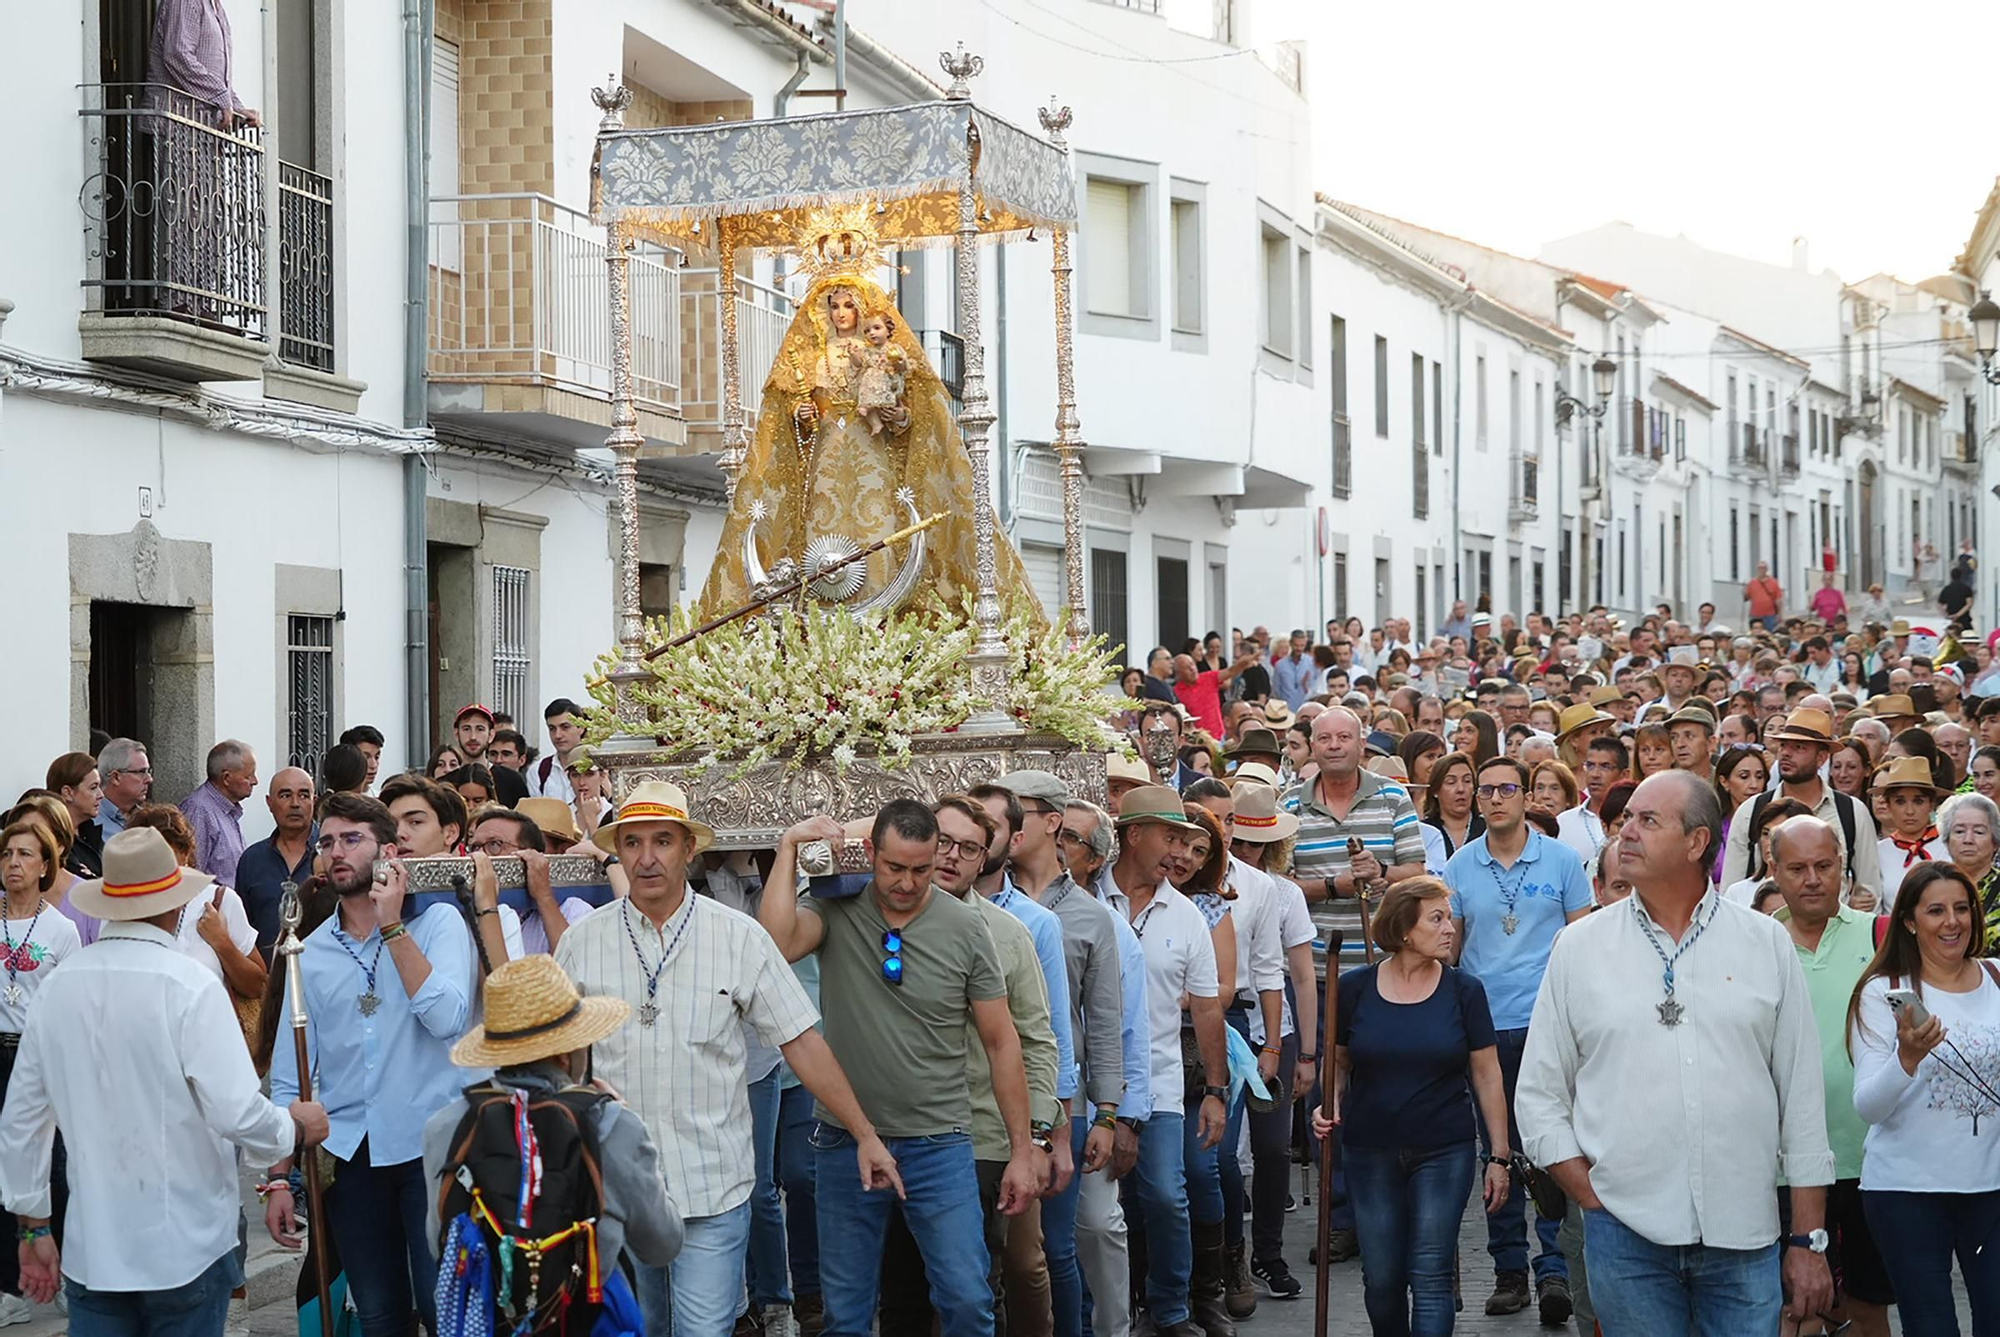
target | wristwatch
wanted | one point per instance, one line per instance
(1814, 1240)
(1219, 1092)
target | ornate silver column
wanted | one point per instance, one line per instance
(1068, 440)
(990, 662)
(624, 442)
(735, 440)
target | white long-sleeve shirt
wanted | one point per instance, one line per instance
(1925, 1130)
(1686, 1127)
(133, 1048)
(1260, 956)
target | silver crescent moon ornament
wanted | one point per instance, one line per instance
(897, 592)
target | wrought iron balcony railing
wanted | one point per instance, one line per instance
(305, 267)
(173, 209)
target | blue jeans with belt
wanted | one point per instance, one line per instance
(1643, 1289)
(198, 1309)
(942, 1211)
(1409, 1204)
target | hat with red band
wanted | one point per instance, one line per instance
(141, 879)
(1257, 817)
(654, 801)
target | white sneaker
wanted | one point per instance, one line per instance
(62, 1301)
(15, 1309)
(778, 1321)
(238, 1322)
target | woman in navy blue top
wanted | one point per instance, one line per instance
(1413, 1043)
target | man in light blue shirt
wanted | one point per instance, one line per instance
(126, 773)
(1512, 890)
(386, 1000)
(1292, 676)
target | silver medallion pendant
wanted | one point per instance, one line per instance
(368, 1002)
(648, 1013)
(1508, 923)
(1670, 1012)
(15, 993)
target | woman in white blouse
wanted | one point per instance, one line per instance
(1930, 1092)
(36, 939)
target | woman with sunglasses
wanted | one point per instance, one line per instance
(1926, 1077)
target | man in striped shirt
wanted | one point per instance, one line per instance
(1346, 803)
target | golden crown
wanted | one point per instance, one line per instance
(841, 239)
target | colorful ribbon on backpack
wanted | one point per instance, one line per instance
(593, 1276)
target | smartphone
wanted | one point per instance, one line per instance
(1905, 1003)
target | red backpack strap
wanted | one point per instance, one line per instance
(1992, 971)
(1881, 930)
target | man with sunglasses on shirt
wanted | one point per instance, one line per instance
(902, 970)
(1512, 890)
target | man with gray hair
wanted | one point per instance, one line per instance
(127, 776)
(215, 810)
(1683, 1006)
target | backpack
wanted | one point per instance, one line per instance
(1842, 804)
(503, 1269)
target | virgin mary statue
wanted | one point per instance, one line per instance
(852, 414)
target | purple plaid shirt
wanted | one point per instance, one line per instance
(218, 831)
(191, 51)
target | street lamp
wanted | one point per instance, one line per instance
(1985, 316)
(1604, 376)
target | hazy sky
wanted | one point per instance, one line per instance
(1871, 130)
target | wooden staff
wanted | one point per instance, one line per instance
(290, 913)
(1329, 1014)
(1354, 847)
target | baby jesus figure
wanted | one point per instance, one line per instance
(881, 368)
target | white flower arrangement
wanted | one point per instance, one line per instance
(821, 684)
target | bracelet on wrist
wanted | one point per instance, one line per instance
(391, 932)
(1105, 1119)
(1309, 1058)
(1504, 1162)
(31, 1233)
(489, 910)
(265, 1190)
(1270, 1049)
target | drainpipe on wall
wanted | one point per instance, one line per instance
(791, 85)
(418, 17)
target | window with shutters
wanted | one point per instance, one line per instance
(447, 242)
(1381, 386)
(1342, 444)
(309, 689)
(1304, 306)
(512, 637)
(1187, 253)
(1437, 408)
(1277, 261)
(1112, 215)
(1420, 463)
(1480, 416)
(1109, 615)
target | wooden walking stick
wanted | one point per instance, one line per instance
(1354, 847)
(290, 913)
(1329, 1014)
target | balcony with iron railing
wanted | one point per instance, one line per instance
(305, 267)
(1960, 452)
(174, 236)
(1747, 448)
(1788, 456)
(1525, 496)
(520, 321)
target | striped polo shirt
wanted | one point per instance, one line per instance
(1382, 818)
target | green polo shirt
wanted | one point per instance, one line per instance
(1845, 948)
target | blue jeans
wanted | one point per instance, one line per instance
(1270, 1159)
(700, 1293)
(1410, 1205)
(1059, 1241)
(1204, 1173)
(942, 1213)
(1643, 1289)
(1506, 1229)
(1159, 1182)
(769, 1278)
(1919, 1234)
(795, 1172)
(197, 1309)
(378, 1214)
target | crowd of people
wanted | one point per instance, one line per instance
(1667, 942)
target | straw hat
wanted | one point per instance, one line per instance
(1255, 772)
(1806, 725)
(552, 816)
(141, 879)
(1604, 696)
(1903, 773)
(1258, 818)
(1389, 768)
(1578, 717)
(654, 801)
(1118, 766)
(533, 1012)
(1153, 803)
(1893, 705)
(1278, 716)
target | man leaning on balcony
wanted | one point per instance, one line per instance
(191, 52)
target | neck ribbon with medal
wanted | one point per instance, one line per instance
(649, 1011)
(1510, 894)
(367, 1000)
(1669, 1008)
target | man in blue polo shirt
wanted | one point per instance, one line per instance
(286, 855)
(1512, 890)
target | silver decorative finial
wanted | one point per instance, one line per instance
(961, 68)
(1055, 120)
(612, 104)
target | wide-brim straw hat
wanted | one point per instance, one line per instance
(141, 879)
(1580, 717)
(1604, 696)
(1252, 773)
(1806, 725)
(1258, 819)
(654, 801)
(551, 816)
(533, 1012)
(1278, 716)
(1893, 705)
(1906, 773)
(1118, 766)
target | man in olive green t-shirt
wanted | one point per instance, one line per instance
(902, 967)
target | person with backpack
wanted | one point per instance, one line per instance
(1803, 743)
(599, 1194)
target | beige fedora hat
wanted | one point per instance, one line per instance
(1252, 772)
(1258, 818)
(534, 1012)
(141, 879)
(654, 801)
(551, 816)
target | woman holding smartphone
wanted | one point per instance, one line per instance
(1924, 1032)
(1415, 1043)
